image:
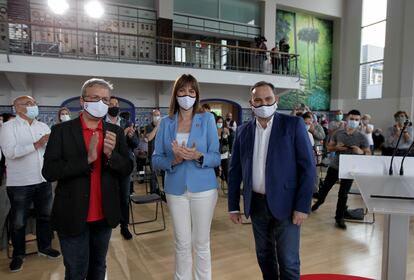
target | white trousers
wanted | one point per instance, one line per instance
(192, 214)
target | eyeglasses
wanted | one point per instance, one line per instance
(94, 98)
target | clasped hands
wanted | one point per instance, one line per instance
(182, 152)
(108, 146)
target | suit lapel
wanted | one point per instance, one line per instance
(173, 127)
(276, 130)
(78, 135)
(251, 136)
(195, 131)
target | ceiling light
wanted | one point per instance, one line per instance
(94, 9)
(58, 6)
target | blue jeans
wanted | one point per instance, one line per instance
(277, 242)
(21, 199)
(84, 255)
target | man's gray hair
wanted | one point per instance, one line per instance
(96, 81)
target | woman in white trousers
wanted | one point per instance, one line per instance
(187, 148)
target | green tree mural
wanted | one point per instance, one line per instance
(311, 38)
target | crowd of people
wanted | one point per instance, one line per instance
(90, 158)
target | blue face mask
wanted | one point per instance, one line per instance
(353, 124)
(32, 112)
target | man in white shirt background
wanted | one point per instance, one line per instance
(23, 141)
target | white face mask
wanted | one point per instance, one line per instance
(96, 109)
(64, 118)
(265, 111)
(156, 118)
(186, 102)
(308, 127)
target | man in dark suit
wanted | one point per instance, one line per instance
(272, 156)
(114, 117)
(87, 157)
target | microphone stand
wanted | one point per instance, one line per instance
(390, 171)
(405, 155)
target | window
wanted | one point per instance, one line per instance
(374, 15)
(180, 54)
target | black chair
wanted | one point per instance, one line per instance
(144, 199)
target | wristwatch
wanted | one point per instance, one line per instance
(201, 160)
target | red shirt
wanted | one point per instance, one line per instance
(95, 212)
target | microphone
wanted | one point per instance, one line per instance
(406, 123)
(405, 155)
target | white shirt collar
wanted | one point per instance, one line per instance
(21, 120)
(269, 123)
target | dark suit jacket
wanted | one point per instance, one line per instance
(66, 161)
(290, 167)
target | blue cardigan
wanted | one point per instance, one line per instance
(189, 175)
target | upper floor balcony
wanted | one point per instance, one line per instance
(129, 49)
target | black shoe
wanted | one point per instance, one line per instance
(125, 233)
(49, 253)
(316, 206)
(16, 264)
(340, 224)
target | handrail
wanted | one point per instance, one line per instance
(149, 37)
(98, 44)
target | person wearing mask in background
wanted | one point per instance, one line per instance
(315, 128)
(366, 128)
(23, 141)
(232, 125)
(151, 131)
(337, 123)
(345, 141)
(88, 157)
(223, 135)
(141, 153)
(273, 158)
(378, 139)
(393, 132)
(132, 142)
(187, 148)
(63, 115)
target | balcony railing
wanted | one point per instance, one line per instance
(28, 38)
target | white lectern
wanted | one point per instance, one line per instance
(392, 196)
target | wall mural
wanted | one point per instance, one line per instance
(311, 38)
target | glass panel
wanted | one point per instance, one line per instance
(373, 42)
(205, 8)
(373, 11)
(370, 77)
(243, 11)
(142, 3)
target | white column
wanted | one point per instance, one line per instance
(165, 8)
(268, 12)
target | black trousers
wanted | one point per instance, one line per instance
(344, 187)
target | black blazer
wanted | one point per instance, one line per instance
(66, 161)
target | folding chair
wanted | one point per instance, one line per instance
(148, 198)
